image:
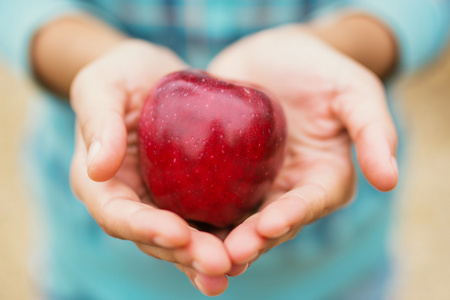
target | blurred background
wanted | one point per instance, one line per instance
(420, 241)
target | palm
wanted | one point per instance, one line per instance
(317, 144)
(107, 97)
(324, 98)
(129, 173)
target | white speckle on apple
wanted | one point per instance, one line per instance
(225, 157)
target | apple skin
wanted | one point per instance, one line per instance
(209, 149)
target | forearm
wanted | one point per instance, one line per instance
(61, 48)
(364, 39)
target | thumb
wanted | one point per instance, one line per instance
(366, 116)
(99, 109)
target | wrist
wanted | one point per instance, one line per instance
(63, 47)
(363, 38)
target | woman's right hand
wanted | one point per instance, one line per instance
(107, 96)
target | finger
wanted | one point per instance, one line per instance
(119, 213)
(208, 285)
(209, 254)
(327, 186)
(99, 107)
(244, 244)
(118, 210)
(296, 208)
(237, 270)
(205, 253)
(366, 116)
(159, 233)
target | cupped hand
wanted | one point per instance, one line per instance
(107, 96)
(330, 102)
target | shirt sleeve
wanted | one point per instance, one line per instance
(20, 19)
(421, 27)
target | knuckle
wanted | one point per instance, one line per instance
(79, 83)
(103, 219)
(73, 180)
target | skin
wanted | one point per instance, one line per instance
(339, 102)
(343, 102)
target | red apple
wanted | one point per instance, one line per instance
(209, 149)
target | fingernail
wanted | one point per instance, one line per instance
(394, 165)
(282, 232)
(254, 257)
(162, 242)
(196, 265)
(94, 149)
(198, 285)
(243, 270)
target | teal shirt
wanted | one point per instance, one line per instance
(74, 259)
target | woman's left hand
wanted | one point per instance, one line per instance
(330, 101)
